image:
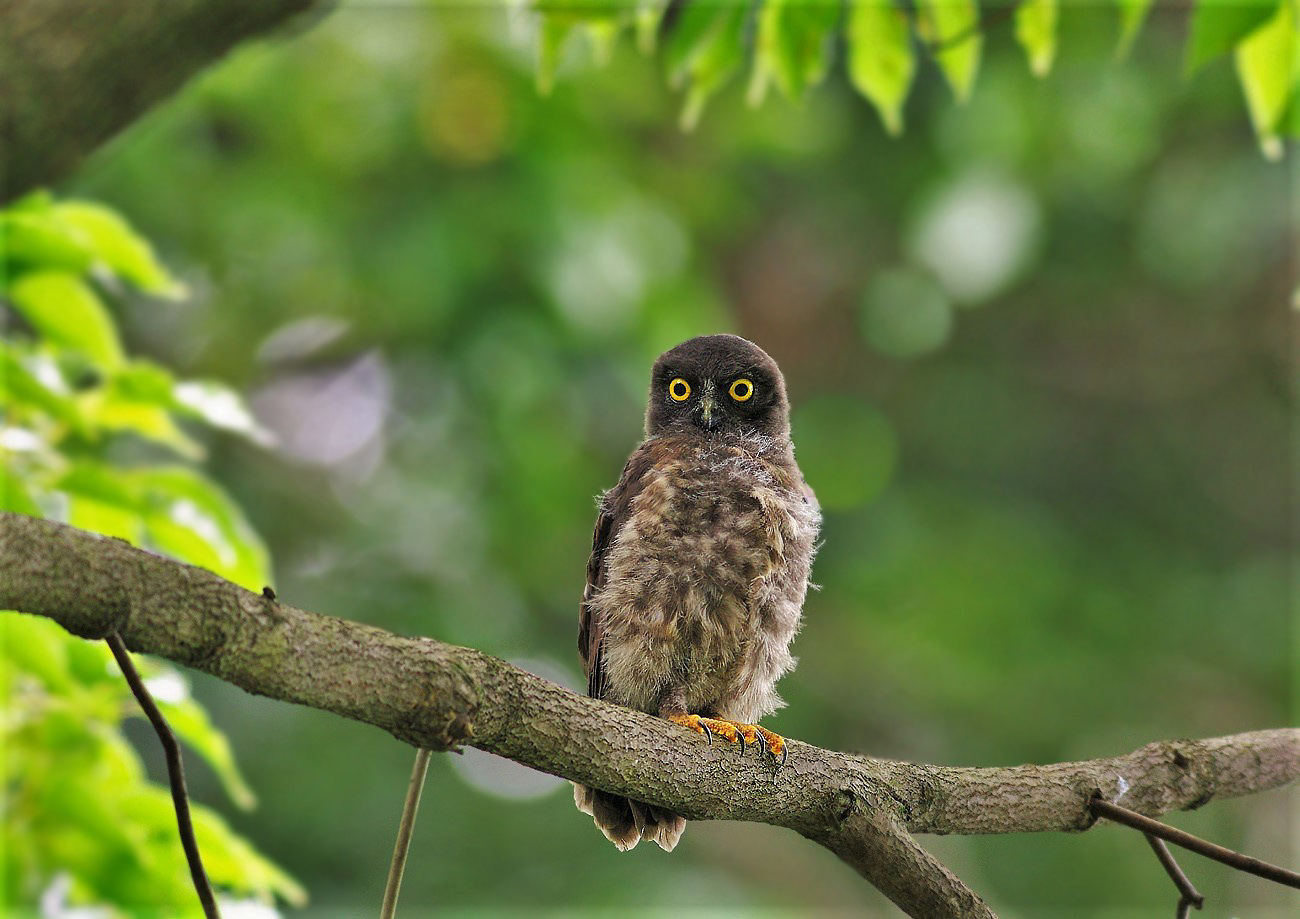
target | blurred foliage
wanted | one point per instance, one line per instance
(1038, 348)
(81, 428)
(792, 43)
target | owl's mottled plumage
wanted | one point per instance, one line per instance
(700, 559)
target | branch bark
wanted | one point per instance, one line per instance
(435, 695)
(72, 73)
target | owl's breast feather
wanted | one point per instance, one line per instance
(707, 531)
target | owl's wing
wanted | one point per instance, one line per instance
(615, 508)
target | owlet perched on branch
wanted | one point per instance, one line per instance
(699, 563)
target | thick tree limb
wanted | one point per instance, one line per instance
(72, 73)
(435, 695)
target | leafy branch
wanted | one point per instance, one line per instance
(792, 44)
(72, 75)
(439, 696)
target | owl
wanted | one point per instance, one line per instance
(699, 564)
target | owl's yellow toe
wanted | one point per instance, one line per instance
(735, 732)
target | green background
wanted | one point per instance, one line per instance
(1041, 358)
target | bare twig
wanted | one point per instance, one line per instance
(175, 776)
(404, 831)
(1188, 895)
(1103, 808)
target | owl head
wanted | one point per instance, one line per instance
(717, 384)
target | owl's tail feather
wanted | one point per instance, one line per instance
(625, 822)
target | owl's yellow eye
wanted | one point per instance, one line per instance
(679, 390)
(741, 390)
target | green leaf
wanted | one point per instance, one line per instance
(792, 45)
(114, 412)
(34, 238)
(881, 61)
(191, 723)
(117, 246)
(704, 50)
(576, 12)
(1268, 66)
(951, 29)
(695, 28)
(551, 36)
(38, 647)
(233, 863)
(1132, 14)
(648, 16)
(1218, 25)
(603, 35)
(220, 406)
(1290, 125)
(14, 495)
(1036, 32)
(101, 500)
(67, 313)
(25, 382)
(189, 518)
(144, 381)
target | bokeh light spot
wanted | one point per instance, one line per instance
(977, 234)
(847, 449)
(905, 313)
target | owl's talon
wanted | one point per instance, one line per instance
(775, 745)
(708, 735)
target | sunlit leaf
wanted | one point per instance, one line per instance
(115, 244)
(952, 31)
(188, 517)
(881, 61)
(220, 406)
(20, 386)
(574, 12)
(233, 863)
(101, 501)
(1268, 62)
(601, 20)
(551, 36)
(792, 45)
(1290, 125)
(15, 496)
(1218, 25)
(67, 313)
(33, 237)
(1132, 14)
(603, 35)
(114, 412)
(39, 647)
(1036, 32)
(704, 50)
(648, 17)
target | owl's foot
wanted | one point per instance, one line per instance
(735, 732)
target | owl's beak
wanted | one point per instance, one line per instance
(707, 413)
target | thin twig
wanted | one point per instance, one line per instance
(1188, 895)
(1246, 863)
(175, 776)
(404, 831)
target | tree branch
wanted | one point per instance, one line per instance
(72, 73)
(435, 695)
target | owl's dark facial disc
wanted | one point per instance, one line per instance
(717, 384)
